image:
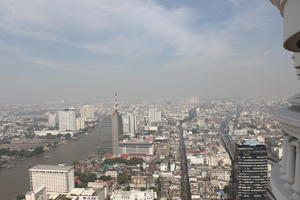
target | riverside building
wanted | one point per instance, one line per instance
(67, 119)
(56, 178)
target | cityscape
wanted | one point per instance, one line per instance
(153, 146)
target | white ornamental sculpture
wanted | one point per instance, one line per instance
(285, 177)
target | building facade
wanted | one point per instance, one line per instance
(136, 148)
(56, 178)
(67, 119)
(129, 124)
(117, 131)
(39, 194)
(154, 115)
(285, 176)
(250, 171)
(106, 136)
(87, 112)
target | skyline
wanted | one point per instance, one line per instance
(142, 49)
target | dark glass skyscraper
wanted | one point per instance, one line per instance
(117, 131)
(250, 171)
(106, 135)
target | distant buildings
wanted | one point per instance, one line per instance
(80, 123)
(67, 119)
(87, 112)
(250, 171)
(56, 178)
(52, 120)
(154, 115)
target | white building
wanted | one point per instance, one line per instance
(136, 147)
(285, 176)
(87, 112)
(240, 132)
(133, 195)
(86, 194)
(39, 193)
(154, 115)
(57, 178)
(52, 120)
(129, 124)
(52, 132)
(80, 123)
(67, 119)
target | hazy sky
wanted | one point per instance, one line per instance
(143, 49)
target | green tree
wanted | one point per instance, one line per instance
(105, 178)
(226, 189)
(20, 197)
(123, 178)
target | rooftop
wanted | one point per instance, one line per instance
(251, 143)
(52, 167)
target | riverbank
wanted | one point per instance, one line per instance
(15, 181)
(9, 158)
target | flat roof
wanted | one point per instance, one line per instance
(52, 167)
(251, 143)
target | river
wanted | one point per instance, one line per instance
(15, 181)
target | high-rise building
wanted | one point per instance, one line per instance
(87, 112)
(111, 130)
(52, 120)
(154, 115)
(106, 135)
(80, 123)
(117, 128)
(129, 124)
(67, 119)
(285, 176)
(117, 131)
(57, 178)
(250, 171)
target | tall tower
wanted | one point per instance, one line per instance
(117, 128)
(285, 176)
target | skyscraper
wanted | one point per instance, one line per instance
(117, 128)
(67, 119)
(250, 171)
(285, 176)
(106, 135)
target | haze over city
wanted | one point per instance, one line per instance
(52, 50)
(149, 100)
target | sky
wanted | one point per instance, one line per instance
(142, 49)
